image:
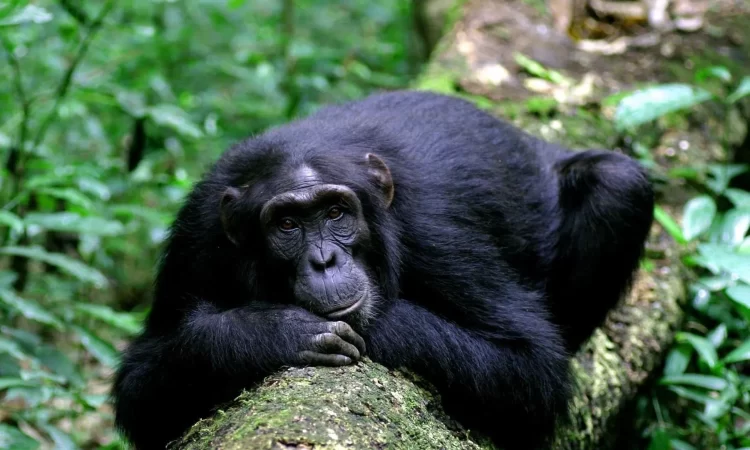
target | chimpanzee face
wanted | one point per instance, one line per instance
(319, 231)
(317, 235)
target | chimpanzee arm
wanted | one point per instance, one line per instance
(511, 379)
(169, 381)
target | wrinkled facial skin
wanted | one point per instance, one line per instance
(317, 237)
(318, 232)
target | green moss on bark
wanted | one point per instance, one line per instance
(362, 406)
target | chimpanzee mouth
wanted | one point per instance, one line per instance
(346, 310)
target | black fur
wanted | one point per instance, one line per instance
(498, 256)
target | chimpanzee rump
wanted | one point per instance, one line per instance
(410, 227)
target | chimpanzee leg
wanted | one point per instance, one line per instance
(607, 204)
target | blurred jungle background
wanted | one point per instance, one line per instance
(110, 110)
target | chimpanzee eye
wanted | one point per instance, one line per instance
(334, 213)
(287, 224)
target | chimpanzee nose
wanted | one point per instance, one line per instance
(323, 259)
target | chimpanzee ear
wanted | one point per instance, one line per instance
(382, 175)
(228, 221)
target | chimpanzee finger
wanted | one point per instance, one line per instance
(321, 359)
(333, 344)
(346, 332)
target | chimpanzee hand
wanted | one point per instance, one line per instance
(318, 342)
(330, 344)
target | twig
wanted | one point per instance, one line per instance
(287, 37)
(62, 89)
(75, 11)
(23, 127)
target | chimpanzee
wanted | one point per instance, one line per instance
(410, 227)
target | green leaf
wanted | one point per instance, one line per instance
(697, 217)
(175, 118)
(744, 247)
(739, 354)
(743, 89)
(740, 294)
(94, 400)
(669, 224)
(26, 339)
(725, 259)
(538, 70)
(442, 83)
(74, 223)
(29, 14)
(42, 375)
(718, 335)
(696, 380)
(47, 179)
(648, 104)
(94, 187)
(740, 198)
(150, 215)
(7, 382)
(61, 439)
(678, 360)
(11, 220)
(659, 440)
(680, 445)
(29, 309)
(65, 263)
(716, 408)
(722, 174)
(124, 321)
(102, 350)
(720, 72)
(32, 397)
(134, 103)
(59, 363)
(11, 438)
(71, 196)
(715, 284)
(701, 345)
(12, 348)
(734, 226)
(696, 396)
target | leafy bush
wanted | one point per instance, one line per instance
(703, 395)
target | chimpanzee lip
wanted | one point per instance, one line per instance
(341, 312)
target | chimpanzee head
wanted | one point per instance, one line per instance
(316, 238)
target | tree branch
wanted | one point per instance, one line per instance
(75, 11)
(290, 65)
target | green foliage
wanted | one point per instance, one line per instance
(703, 396)
(648, 104)
(111, 111)
(699, 213)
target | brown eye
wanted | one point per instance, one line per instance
(287, 224)
(334, 213)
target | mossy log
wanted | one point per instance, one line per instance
(367, 406)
